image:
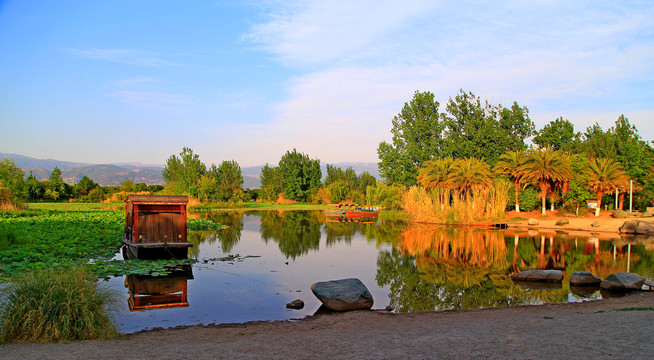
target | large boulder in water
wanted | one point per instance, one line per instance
(343, 295)
(638, 227)
(538, 275)
(623, 282)
(583, 278)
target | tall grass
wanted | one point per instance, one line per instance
(56, 305)
(446, 206)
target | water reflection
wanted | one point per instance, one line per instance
(295, 232)
(411, 268)
(437, 268)
(156, 292)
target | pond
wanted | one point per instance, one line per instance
(267, 259)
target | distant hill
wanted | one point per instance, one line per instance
(104, 174)
(114, 174)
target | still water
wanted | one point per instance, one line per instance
(267, 259)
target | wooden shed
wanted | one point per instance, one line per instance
(155, 226)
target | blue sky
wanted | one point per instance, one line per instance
(135, 81)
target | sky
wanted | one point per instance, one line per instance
(138, 80)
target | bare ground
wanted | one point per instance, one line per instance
(592, 329)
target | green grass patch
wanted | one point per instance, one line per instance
(517, 218)
(642, 308)
(53, 238)
(57, 305)
(204, 224)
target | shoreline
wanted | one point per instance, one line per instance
(614, 327)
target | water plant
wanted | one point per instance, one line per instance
(56, 305)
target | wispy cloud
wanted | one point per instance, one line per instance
(149, 98)
(358, 62)
(126, 56)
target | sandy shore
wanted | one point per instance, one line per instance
(592, 329)
(583, 226)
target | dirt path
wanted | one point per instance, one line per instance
(562, 331)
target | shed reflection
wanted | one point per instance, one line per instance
(148, 292)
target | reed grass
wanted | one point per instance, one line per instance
(446, 206)
(56, 305)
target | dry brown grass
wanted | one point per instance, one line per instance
(281, 200)
(446, 206)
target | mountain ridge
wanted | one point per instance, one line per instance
(150, 174)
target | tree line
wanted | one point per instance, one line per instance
(16, 189)
(472, 143)
(468, 146)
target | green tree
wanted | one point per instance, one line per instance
(182, 174)
(12, 185)
(558, 134)
(417, 137)
(35, 188)
(56, 188)
(484, 131)
(229, 178)
(578, 193)
(544, 166)
(510, 163)
(84, 186)
(300, 175)
(271, 182)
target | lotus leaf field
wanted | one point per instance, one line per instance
(64, 235)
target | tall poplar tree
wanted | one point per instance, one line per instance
(417, 137)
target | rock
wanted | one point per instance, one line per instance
(295, 304)
(595, 224)
(343, 295)
(638, 227)
(579, 278)
(561, 222)
(532, 221)
(622, 282)
(648, 214)
(619, 214)
(538, 275)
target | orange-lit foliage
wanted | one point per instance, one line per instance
(469, 246)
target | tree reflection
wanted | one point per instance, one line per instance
(228, 237)
(433, 268)
(296, 232)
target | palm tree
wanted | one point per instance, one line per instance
(510, 163)
(468, 174)
(433, 173)
(546, 165)
(605, 174)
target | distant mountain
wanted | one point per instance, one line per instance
(72, 172)
(114, 174)
(27, 162)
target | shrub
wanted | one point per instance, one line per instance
(528, 199)
(387, 196)
(52, 305)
